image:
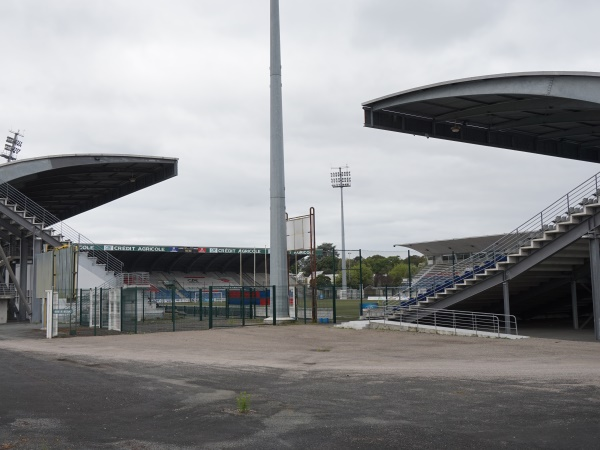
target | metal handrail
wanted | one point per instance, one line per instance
(449, 319)
(28, 207)
(7, 289)
(548, 219)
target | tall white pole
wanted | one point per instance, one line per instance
(340, 178)
(344, 285)
(279, 276)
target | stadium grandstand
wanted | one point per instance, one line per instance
(40, 253)
(549, 266)
(36, 196)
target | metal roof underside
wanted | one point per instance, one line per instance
(548, 113)
(461, 246)
(67, 185)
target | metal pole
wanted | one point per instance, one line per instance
(343, 240)
(409, 278)
(173, 306)
(304, 304)
(135, 304)
(333, 290)
(574, 305)
(95, 316)
(453, 267)
(595, 271)
(274, 305)
(242, 305)
(279, 276)
(506, 297)
(210, 306)
(360, 282)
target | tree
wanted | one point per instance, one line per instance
(323, 281)
(353, 275)
(327, 259)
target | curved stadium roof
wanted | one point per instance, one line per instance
(549, 113)
(67, 185)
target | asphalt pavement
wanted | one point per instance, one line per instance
(309, 387)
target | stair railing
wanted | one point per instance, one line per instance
(546, 220)
(60, 230)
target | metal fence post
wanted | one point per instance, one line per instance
(95, 316)
(454, 321)
(243, 305)
(143, 305)
(210, 306)
(100, 307)
(200, 299)
(360, 283)
(386, 298)
(173, 306)
(304, 290)
(334, 303)
(135, 305)
(227, 303)
(274, 304)
(122, 309)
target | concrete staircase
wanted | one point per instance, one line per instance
(550, 241)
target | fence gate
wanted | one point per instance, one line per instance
(129, 304)
(85, 307)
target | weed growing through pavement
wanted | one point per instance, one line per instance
(243, 402)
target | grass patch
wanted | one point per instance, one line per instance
(243, 402)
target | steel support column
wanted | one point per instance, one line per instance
(574, 305)
(506, 297)
(595, 273)
(23, 266)
(12, 276)
(36, 312)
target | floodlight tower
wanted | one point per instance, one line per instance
(279, 270)
(12, 146)
(340, 178)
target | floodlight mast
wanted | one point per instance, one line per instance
(340, 178)
(12, 146)
(279, 270)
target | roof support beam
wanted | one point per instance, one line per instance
(530, 104)
(542, 119)
(581, 131)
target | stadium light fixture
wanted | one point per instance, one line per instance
(340, 178)
(12, 146)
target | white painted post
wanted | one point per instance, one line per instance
(48, 314)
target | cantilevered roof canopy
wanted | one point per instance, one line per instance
(446, 247)
(549, 113)
(67, 185)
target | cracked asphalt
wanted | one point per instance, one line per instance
(309, 386)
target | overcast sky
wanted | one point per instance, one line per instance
(190, 79)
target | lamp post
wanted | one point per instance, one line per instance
(409, 274)
(340, 178)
